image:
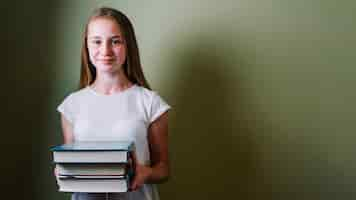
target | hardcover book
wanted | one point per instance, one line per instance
(68, 169)
(97, 167)
(89, 184)
(93, 152)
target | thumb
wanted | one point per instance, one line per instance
(134, 184)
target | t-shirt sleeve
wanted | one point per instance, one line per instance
(67, 108)
(158, 107)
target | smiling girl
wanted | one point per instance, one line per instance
(115, 102)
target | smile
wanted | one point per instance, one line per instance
(106, 60)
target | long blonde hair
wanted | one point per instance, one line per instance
(132, 66)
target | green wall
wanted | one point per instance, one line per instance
(27, 74)
(262, 93)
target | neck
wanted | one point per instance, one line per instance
(111, 83)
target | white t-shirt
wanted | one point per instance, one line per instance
(123, 115)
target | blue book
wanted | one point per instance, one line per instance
(93, 152)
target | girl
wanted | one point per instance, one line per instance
(115, 102)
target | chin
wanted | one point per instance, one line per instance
(107, 68)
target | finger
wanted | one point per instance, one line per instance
(132, 162)
(55, 171)
(134, 185)
(134, 157)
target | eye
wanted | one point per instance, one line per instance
(116, 41)
(96, 42)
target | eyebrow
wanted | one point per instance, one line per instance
(113, 37)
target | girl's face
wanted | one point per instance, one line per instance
(106, 45)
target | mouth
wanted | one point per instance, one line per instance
(106, 60)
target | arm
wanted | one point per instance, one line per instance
(158, 172)
(67, 130)
(158, 140)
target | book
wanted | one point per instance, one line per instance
(91, 176)
(69, 169)
(101, 184)
(93, 152)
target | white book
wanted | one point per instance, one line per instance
(69, 169)
(93, 185)
(91, 176)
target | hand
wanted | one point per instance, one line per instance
(55, 171)
(142, 173)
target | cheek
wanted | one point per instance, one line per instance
(92, 54)
(121, 54)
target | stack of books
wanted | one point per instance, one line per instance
(97, 167)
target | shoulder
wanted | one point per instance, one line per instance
(69, 106)
(149, 97)
(145, 93)
(76, 96)
(155, 105)
(79, 94)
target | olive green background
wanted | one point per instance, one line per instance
(262, 93)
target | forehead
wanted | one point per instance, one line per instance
(103, 26)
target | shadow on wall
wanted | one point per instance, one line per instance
(27, 74)
(213, 152)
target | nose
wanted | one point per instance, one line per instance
(106, 49)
